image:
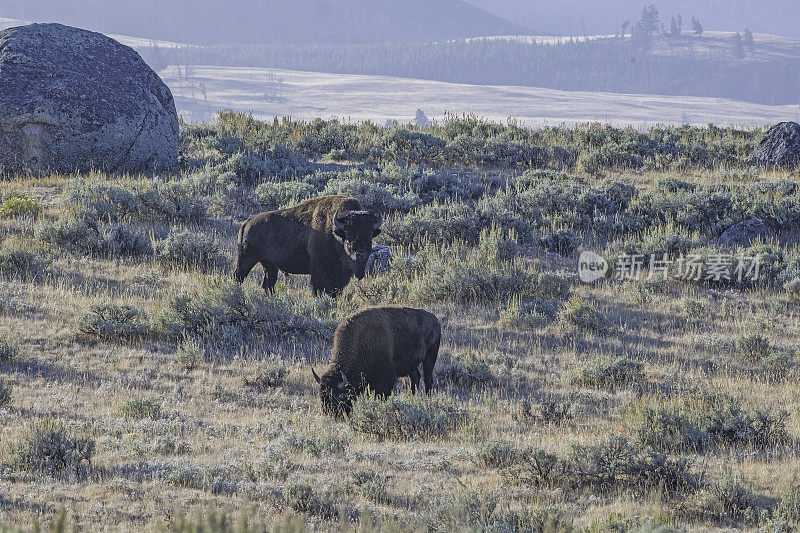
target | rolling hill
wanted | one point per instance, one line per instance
(579, 17)
(269, 21)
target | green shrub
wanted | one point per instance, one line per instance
(789, 506)
(375, 196)
(607, 372)
(190, 353)
(188, 249)
(8, 350)
(370, 485)
(113, 323)
(793, 288)
(706, 424)
(466, 372)
(224, 315)
(537, 468)
(406, 417)
(20, 206)
(139, 408)
(731, 499)
(6, 388)
(752, 346)
(616, 463)
(435, 223)
(520, 315)
(275, 195)
(495, 454)
(693, 308)
(270, 375)
(584, 315)
(301, 499)
(22, 263)
(563, 242)
(48, 448)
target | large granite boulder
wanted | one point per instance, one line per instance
(746, 232)
(780, 146)
(379, 261)
(72, 99)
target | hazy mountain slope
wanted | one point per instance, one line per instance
(268, 21)
(780, 17)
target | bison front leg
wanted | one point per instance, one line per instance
(270, 277)
(415, 376)
(322, 283)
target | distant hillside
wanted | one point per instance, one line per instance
(576, 17)
(220, 22)
(709, 66)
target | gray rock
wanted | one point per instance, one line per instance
(379, 261)
(72, 99)
(780, 146)
(746, 232)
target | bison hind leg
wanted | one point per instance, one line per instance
(270, 276)
(414, 376)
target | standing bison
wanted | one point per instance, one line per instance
(328, 237)
(374, 347)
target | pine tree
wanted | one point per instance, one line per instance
(738, 46)
(421, 119)
(697, 27)
(649, 20)
(680, 23)
(748, 40)
(674, 31)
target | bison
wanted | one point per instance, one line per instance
(374, 347)
(328, 237)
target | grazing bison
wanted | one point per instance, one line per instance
(328, 237)
(374, 347)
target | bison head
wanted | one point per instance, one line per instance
(355, 230)
(335, 393)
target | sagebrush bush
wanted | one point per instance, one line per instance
(708, 423)
(466, 371)
(48, 448)
(402, 417)
(139, 408)
(584, 315)
(520, 315)
(302, 499)
(185, 248)
(15, 262)
(113, 323)
(607, 372)
(789, 506)
(6, 389)
(269, 375)
(731, 499)
(793, 288)
(8, 350)
(495, 454)
(225, 314)
(275, 195)
(190, 353)
(752, 346)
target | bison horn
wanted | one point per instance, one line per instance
(344, 383)
(316, 377)
(337, 221)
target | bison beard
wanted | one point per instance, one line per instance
(329, 238)
(374, 347)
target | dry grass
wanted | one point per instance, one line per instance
(181, 423)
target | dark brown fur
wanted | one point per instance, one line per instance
(304, 240)
(374, 347)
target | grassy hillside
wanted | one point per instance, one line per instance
(138, 383)
(272, 21)
(707, 66)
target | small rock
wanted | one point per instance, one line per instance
(379, 261)
(746, 232)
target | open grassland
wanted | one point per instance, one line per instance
(138, 383)
(202, 90)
